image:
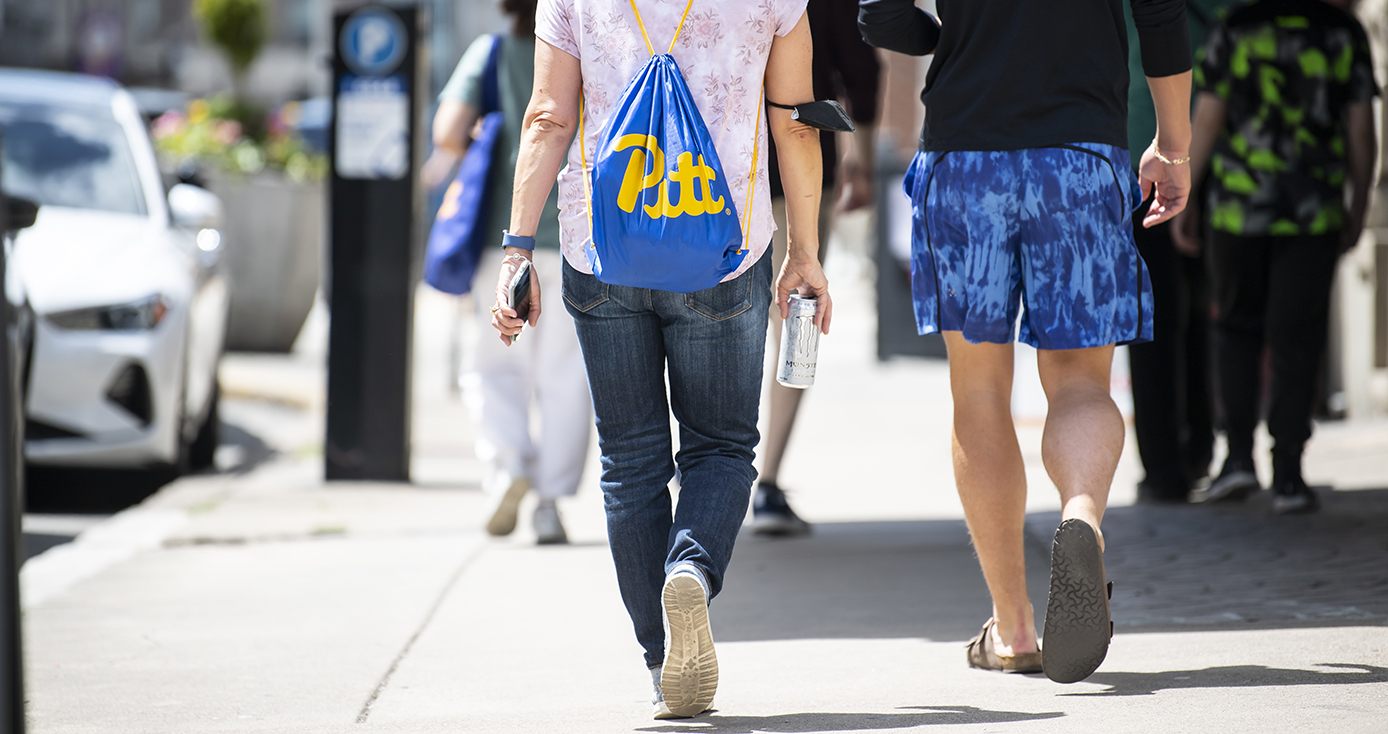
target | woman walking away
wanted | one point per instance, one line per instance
(545, 368)
(665, 198)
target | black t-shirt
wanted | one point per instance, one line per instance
(1010, 75)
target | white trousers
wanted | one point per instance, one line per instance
(543, 368)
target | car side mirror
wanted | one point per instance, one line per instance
(194, 207)
(20, 213)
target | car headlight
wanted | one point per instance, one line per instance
(139, 315)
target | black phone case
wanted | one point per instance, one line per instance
(520, 294)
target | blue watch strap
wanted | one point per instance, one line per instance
(515, 240)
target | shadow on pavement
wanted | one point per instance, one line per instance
(906, 579)
(1190, 567)
(1174, 568)
(251, 450)
(88, 490)
(82, 490)
(1231, 676)
(36, 543)
(817, 722)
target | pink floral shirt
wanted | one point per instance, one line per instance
(722, 51)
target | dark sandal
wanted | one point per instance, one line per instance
(1078, 626)
(982, 655)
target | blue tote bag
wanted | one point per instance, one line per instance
(661, 210)
(459, 232)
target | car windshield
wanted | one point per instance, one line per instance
(69, 158)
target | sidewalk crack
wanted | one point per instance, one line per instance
(423, 625)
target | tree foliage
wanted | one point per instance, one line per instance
(237, 26)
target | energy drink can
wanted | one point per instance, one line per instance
(799, 344)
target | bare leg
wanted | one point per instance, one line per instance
(1084, 430)
(991, 479)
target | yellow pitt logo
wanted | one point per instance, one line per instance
(690, 176)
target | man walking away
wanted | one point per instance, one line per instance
(1284, 120)
(1017, 199)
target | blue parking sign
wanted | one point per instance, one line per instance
(373, 41)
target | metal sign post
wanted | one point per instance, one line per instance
(373, 152)
(11, 504)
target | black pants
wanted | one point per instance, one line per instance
(1272, 291)
(1171, 396)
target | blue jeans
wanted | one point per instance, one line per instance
(712, 343)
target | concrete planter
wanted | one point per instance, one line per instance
(274, 231)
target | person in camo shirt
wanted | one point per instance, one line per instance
(1284, 122)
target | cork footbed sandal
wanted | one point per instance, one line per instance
(982, 655)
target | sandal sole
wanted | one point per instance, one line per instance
(690, 676)
(1078, 626)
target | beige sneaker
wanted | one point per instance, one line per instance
(689, 677)
(503, 517)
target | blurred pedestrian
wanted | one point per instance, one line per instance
(1173, 417)
(845, 68)
(1017, 197)
(1284, 119)
(710, 343)
(545, 369)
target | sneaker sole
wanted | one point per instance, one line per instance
(504, 517)
(690, 676)
(1078, 627)
(1234, 489)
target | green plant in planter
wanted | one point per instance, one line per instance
(208, 134)
(238, 28)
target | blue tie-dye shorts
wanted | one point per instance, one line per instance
(1050, 228)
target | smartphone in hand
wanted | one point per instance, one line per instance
(519, 291)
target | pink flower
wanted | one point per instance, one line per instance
(168, 124)
(226, 132)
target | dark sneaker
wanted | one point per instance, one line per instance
(772, 516)
(1294, 498)
(1235, 482)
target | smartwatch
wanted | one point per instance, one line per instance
(517, 241)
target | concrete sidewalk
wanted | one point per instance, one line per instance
(261, 600)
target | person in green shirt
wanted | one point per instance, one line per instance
(500, 382)
(1284, 123)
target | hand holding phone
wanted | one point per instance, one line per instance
(518, 292)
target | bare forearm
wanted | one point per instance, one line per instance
(453, 126)
(865, 147)
(1209, 119)
(802, 173)
(549, 125)
(544, 143)
(1171, 97)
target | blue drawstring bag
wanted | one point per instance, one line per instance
(460, 228)
(661, 210)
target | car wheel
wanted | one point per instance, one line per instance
(202, 451)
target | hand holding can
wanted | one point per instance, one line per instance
(799, 344)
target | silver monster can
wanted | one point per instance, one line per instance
(799, 344)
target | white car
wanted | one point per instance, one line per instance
(129, 300)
